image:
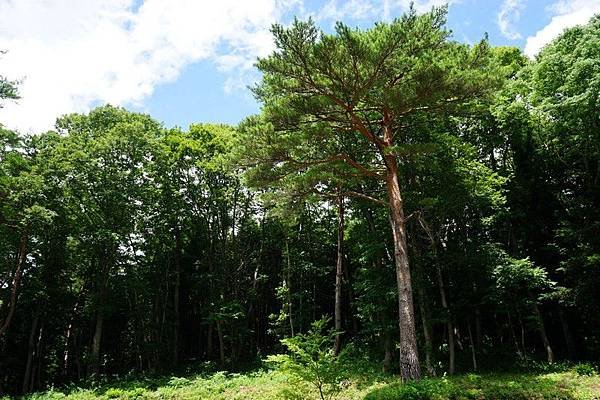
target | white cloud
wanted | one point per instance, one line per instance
(73, 54)
(509, 14)
(355, 9)
(566, 13)
(336, 10)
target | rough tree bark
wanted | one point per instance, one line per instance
(409, 357)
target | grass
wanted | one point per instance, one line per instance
(274, 385)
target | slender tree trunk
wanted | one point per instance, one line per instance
(176, 296)
(424, 311)
(427, 331)
(472, 345)
(388, 346)
(543, 336)
(95, 362)
(339, 276)
(12, 303)
(513, 336)
(522, 327)
(68, 334)
(571, 349)
(35, 372)
(409, 356)
(289, 286)
(30, 351)
(97, 338)
(449, 325)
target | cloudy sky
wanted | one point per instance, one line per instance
(186, 61)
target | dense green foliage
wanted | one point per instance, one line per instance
(388, 165)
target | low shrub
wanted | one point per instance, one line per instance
(585, 369)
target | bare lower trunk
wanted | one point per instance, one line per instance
(543, 336)
(389, 351)
(409, 357)
(449, 326)
(34, 381)
(68, 335)
(427, 332)
(472, 345)
(95, 362)
(339, 276)
(30, 351)
(94, 366)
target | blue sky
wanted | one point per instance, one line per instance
(186, 61)
(199, 94)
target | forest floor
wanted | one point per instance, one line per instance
(273, 385)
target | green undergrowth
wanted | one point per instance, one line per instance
(578, 383)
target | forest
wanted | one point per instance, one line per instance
(408, 217)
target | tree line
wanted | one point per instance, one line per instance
(439, 200)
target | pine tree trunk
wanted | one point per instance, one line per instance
(339, 276)
(409, 357)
